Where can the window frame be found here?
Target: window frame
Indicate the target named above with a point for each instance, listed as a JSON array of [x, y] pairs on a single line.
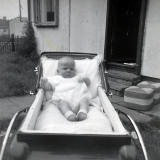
[[40, 9]]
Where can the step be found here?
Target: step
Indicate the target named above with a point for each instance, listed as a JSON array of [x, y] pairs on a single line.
[[122, 81], [123, 75], [129, 67], [117, 88], [125, 82]]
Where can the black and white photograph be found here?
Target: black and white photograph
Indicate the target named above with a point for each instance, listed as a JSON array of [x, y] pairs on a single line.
[[79, 79]]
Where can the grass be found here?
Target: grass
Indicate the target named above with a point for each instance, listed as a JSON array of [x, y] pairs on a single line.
[[151, 133], [17, 75]]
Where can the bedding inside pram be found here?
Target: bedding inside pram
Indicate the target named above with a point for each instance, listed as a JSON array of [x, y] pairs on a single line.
[[102, 118]]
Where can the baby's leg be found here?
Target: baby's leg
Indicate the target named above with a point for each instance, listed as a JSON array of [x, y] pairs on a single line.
[[66, 110], [83, 109]]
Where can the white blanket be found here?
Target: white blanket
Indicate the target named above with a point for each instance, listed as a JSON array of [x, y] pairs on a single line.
[[51, 120]]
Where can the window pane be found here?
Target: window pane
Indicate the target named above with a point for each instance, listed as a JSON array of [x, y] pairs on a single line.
[[37, 10], [50, 10], [50, 16]]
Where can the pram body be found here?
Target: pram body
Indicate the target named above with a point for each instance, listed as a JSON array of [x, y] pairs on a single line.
[[26, 142]]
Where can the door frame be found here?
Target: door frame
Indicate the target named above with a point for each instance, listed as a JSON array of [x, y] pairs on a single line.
[[142, 20]]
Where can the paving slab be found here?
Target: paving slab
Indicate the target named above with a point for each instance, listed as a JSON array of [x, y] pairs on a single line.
[[138, 116]]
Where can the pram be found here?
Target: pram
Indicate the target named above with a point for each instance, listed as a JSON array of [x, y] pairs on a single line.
[[40, 135]]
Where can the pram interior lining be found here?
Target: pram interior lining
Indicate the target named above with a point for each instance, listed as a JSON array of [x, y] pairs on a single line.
[[97, 122]]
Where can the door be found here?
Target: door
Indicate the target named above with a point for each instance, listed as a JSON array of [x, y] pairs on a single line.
[[123, 31]]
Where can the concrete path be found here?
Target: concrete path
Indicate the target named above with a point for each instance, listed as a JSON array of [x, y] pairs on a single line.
[[10, 105]]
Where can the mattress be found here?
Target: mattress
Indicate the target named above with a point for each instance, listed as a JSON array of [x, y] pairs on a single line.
[[51, 119]]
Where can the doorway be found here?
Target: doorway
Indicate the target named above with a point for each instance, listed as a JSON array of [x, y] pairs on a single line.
[[124, 32]]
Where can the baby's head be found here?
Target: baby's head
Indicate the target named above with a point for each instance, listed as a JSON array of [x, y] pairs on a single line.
[[66, 67]]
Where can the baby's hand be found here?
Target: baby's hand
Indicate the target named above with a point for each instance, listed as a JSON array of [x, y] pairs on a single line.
[[43, 82], [80, 79], [87, 81]]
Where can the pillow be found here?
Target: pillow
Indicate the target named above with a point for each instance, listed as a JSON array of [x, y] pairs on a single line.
[[49, 66], [88, 67]]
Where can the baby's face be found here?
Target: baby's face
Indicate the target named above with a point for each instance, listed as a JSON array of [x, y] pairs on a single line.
[[66, 68]]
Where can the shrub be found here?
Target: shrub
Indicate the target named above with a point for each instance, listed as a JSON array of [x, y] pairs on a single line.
[[17, 75], [28, 48], [17, 69]]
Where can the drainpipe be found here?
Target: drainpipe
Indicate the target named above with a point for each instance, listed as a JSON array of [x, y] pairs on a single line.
[[69, 24]]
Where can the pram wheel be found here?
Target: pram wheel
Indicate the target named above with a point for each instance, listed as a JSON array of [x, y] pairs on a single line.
[[127, 152]]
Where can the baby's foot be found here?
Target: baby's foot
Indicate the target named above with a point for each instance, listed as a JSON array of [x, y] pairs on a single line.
[[71, 116], [82, 115]]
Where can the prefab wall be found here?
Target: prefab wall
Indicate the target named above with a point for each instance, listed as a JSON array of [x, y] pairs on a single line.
[[81, 27], [151, 48]]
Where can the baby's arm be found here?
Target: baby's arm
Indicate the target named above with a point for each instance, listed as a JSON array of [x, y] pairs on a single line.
[[48, 89], [85, 79], [45, 84]]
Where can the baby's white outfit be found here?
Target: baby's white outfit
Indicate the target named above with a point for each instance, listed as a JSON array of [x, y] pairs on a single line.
[[69, 89]]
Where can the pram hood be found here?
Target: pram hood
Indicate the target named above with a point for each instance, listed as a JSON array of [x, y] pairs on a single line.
[[87, 67]]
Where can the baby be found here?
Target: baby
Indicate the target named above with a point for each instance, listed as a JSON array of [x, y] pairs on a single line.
[[68, 91]]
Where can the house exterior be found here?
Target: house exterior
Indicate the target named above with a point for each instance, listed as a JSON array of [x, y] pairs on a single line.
[[17, 26], [4, 26], [125, 32]]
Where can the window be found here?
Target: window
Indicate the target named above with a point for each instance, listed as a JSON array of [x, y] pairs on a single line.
[[46, 12]]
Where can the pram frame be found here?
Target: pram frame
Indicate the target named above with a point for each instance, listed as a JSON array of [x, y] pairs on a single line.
[[15, 116], [125, 139], [23, 134]]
